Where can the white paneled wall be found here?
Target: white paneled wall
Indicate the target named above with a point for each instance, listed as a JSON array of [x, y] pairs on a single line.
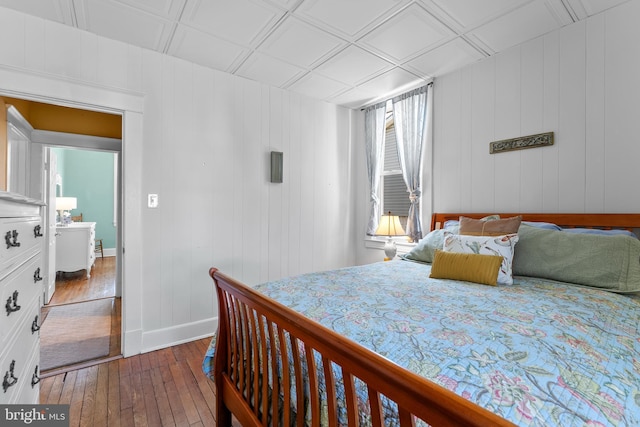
[[203, 147], [579, 82]]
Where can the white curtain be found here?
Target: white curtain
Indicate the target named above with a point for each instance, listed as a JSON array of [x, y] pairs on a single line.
[[374, 131], [410, 121]]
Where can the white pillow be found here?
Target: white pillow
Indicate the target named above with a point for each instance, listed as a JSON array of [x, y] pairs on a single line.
[[487, 245]]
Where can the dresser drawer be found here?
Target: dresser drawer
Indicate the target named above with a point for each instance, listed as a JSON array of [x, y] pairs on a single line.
[[18, 362], [19, 289], [20, 238]]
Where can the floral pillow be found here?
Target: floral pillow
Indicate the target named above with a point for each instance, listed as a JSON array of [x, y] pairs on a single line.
[[487, 245]]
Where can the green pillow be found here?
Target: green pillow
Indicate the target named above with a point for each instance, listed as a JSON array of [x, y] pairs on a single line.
[[606, 262], [423, 251]]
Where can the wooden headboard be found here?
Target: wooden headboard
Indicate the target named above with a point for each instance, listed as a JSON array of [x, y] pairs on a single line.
[[627, 221]]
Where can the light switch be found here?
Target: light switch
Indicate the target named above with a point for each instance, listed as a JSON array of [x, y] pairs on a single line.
[[152, 200]]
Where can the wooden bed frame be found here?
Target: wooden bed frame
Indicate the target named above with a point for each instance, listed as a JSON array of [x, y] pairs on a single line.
[[595, 220], [244, 361]]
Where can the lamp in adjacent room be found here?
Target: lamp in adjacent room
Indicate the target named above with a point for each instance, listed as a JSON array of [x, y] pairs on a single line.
[[64, 204], [390, 226]]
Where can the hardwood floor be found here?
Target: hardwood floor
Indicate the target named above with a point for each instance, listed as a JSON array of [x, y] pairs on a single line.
[[75, 288], [162, 388]]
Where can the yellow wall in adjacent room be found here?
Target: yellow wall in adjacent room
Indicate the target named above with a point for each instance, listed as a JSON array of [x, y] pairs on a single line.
[[65, 119]]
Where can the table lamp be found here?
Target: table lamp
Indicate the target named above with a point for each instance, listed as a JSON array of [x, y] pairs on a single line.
[[390, 226], [64, 204]]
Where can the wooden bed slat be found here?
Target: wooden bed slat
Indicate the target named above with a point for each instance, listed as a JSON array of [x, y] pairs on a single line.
[[414, 396], [298, 379], [286, 379], [275, 385], [314, 387], [253, 358], [264, 374], [330, 384], [376, 408], [351, 397]]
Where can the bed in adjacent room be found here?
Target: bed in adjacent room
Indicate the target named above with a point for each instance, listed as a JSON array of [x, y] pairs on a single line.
[[553, 338]]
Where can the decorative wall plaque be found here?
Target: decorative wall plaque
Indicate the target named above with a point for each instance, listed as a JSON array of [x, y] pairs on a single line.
[[531, 141]]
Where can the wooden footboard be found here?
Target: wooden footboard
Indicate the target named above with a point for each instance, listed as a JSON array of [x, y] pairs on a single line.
[[271, 363]]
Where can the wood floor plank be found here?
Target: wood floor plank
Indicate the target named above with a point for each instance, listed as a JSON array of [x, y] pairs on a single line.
[[46, 384], [55, 392], [75, 411], [125, 366], [151, 405], [134, 364], [153, 359], [139, 409], [102, 396], [69, 381], [177, 409], [113, 396], [126, 418], [89, 397], [196, 394], [144, 362], [205, 390], [183, 391], [126, 394], [162, 399]]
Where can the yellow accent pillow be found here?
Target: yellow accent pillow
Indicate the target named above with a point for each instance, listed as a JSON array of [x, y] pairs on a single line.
[[475, 268]]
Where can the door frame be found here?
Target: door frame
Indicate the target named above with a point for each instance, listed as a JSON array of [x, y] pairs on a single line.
[[34, 86], [49, 219]]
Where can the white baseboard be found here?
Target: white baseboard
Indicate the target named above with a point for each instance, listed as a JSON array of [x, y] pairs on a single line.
[[107, 252], [132, 343], [163, 338]]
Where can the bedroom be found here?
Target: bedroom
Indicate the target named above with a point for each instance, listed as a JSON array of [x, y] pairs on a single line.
[[256, 231]]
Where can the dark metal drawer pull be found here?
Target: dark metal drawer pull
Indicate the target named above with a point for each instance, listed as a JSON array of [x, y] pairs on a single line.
[[11, 238], [35, 379], [36, 276], [37, 231], [9, 378], [12, 303], [34, 325]]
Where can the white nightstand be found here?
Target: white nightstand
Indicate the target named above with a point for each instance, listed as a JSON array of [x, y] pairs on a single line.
[[75, 247]]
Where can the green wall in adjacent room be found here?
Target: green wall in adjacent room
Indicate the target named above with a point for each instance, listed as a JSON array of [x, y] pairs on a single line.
[[89, 176]]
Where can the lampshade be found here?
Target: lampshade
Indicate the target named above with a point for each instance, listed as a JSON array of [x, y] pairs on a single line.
[[390, 226], [66, 203]]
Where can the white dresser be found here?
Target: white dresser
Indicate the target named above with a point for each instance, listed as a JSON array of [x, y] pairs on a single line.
[[75, 245], [21, 292]]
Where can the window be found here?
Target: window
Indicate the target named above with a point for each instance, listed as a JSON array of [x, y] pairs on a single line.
[[394, 197]]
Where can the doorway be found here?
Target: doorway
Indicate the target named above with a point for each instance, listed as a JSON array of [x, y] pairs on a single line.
[[129, 106], [50, 127], [81, 295]]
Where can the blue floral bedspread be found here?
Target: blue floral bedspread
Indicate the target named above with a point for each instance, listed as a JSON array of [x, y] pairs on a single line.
[[537, 353]]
